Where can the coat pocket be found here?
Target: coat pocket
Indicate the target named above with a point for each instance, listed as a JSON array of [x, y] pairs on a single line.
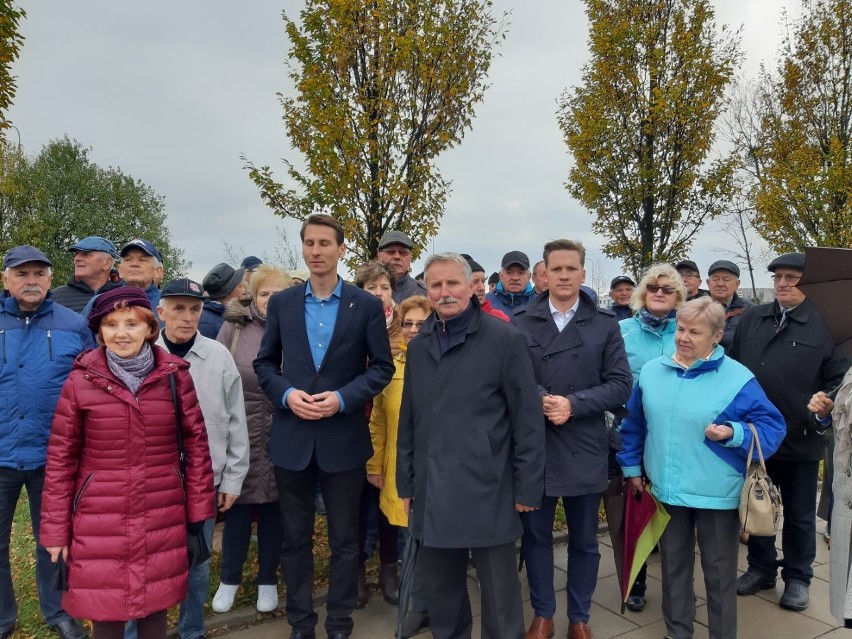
[[76, 503]]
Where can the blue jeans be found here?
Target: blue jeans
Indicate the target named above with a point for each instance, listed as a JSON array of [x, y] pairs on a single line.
[[191, 618], [50, 599]]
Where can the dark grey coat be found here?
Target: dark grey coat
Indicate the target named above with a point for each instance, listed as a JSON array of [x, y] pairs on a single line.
[[470, 441], [586, 363]]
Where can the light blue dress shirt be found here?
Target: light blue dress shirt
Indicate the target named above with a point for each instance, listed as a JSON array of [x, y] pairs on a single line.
[[320, 318]]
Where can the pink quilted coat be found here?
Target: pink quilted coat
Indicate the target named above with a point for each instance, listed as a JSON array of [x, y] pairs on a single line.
[[113, 493]]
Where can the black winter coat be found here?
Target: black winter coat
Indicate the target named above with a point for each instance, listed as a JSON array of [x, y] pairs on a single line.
[[470, 443], [586, 363], [791, 363]]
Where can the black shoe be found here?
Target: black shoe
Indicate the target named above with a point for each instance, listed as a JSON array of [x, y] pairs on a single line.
[[416, 621], [298, 634], [751, 583], [795, 596], [363, 593], [339, 635], [636, 603], [389, 583], [70, 629]]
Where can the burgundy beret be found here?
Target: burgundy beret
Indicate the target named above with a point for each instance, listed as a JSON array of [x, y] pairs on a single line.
[[105, 303]]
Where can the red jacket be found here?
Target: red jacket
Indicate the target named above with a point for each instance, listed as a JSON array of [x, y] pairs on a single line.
[[113, 492]]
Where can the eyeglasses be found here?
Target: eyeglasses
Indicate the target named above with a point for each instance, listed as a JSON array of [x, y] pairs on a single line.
[[668, 290], [787, 277], [690, 275], [402, 252], [412, 324]]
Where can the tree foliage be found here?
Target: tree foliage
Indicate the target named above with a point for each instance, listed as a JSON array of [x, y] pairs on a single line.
[[60, 196], [641, 125], [11, 42], [794, 135], [383, 87]]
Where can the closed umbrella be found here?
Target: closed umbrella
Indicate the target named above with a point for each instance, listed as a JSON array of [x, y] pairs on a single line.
[[406, 581], [645, 519]]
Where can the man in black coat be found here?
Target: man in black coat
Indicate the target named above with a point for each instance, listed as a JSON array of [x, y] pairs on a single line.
[[325, 353], [581, 367], [470, 454], [788, 347]]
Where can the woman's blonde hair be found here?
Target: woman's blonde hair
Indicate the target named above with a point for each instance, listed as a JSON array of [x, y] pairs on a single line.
[[704, 309], [409, 303], [265, 272], [655, 272]]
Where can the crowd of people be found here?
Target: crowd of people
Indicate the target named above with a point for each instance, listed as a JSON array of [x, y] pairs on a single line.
[[451, 410]]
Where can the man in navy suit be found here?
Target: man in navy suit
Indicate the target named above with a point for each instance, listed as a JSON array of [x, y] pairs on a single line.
[[325, 353]]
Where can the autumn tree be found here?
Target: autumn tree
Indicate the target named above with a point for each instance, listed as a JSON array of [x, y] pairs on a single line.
[[60, 196], [795, 140], [641, 125], [382, 88], [11, 42]]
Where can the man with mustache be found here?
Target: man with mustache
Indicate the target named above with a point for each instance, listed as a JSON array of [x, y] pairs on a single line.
[[470, 454], [39, 340]]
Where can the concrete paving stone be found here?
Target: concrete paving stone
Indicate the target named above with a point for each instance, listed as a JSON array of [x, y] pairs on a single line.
[[658, 630], [608, 596], [758, 618]]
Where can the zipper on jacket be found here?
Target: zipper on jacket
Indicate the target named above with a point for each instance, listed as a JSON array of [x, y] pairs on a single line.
[[49, 346], [180, 481], [80, 492], [3, 339]]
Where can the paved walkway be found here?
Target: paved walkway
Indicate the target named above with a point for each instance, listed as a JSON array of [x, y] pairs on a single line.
[[759, 616]]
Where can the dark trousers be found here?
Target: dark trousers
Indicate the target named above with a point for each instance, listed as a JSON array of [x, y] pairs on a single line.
[[342, 495], [50, 599], [154, 626], [581, 514], [444, 574], [798, 484], [388, 533], [236, 536], [718, 536]]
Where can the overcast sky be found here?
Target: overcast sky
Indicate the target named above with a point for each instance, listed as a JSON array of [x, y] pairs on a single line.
[[174, 92]]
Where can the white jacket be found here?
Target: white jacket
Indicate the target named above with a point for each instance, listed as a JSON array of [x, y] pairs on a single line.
[[220, 393]]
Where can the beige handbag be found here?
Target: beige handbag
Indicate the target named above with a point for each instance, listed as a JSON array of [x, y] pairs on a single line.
[[760, 500]]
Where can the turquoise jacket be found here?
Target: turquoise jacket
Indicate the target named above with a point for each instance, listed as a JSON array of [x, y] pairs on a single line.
[[644, 343], [667, 414]]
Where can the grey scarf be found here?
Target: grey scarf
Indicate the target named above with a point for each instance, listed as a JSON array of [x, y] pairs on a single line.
[[132, 370]]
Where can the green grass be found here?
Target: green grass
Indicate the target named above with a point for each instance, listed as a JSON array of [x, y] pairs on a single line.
[[22, 557]]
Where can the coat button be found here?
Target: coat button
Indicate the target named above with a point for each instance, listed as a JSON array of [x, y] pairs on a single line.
[[574, 356], [546, 357], [109, 388]]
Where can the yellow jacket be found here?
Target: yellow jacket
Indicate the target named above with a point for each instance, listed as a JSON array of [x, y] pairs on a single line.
[[384, 422]]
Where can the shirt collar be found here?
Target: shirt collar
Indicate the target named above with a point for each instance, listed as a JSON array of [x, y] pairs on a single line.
[[335, 293], [571, 311]]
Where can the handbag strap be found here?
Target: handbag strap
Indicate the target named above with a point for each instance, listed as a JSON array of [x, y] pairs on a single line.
[[181, 449], [755, 441]]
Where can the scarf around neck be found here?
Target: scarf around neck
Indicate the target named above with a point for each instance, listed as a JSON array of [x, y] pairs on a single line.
[[132, 370], [647, 317]]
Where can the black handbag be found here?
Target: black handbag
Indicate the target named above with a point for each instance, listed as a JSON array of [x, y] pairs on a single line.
[[196, 544]]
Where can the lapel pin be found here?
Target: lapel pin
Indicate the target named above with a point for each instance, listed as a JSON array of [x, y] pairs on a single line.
[[351, 304]]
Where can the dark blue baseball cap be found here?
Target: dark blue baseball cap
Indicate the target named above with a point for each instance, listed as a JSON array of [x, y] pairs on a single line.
[[22, 254], [144, 245], [95, 243]]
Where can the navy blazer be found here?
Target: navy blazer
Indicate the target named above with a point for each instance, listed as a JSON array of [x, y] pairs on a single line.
[[585, 362], [358, 364]]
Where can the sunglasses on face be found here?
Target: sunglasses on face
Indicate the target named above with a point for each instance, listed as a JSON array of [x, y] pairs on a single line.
[[654, 288], [411, 324]]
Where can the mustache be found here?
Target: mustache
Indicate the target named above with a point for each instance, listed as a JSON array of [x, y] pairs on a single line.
[[32, 289], [448, 299]]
